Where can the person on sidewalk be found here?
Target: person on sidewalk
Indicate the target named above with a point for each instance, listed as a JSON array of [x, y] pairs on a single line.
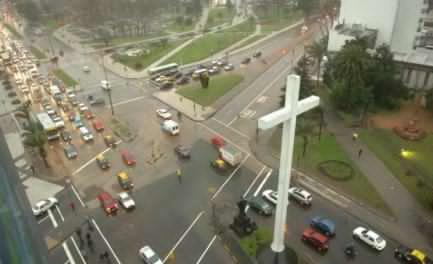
[[179, 175], [359, 153]]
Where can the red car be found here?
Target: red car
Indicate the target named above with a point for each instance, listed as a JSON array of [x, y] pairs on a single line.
[[127, 157], [98, 125], [71, 116], [108, 203], [315, 239], [89, 115]]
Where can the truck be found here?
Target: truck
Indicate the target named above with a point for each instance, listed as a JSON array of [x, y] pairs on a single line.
[[230, 155], [170, 127]]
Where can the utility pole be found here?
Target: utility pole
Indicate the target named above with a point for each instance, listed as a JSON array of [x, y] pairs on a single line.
[[108, 84]]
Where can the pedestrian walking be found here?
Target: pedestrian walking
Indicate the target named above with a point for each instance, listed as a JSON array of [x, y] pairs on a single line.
[[106, 255], [101, 257], [359, 153], [179, 175], [88, 236], [72, 205]]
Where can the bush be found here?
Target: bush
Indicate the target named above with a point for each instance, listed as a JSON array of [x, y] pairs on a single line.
[[255, 242], [138, 66], [12, 94]]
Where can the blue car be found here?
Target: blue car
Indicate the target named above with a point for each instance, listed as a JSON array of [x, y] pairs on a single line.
[[323, 225]]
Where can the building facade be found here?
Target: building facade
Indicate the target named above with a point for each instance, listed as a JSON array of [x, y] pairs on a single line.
[[405, 25], [20, 241]]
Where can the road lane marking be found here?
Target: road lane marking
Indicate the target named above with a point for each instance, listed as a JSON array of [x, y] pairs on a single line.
[[72, 238], [93, 159], [261, 93], [263, 182], [231, 128], [106, 242], [253, 182], [182, 237], [206, 250], [128, 101], [78, 195], [230, 177], [64, 245]]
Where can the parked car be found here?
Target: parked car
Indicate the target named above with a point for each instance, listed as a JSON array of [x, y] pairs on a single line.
[[58, 121], [89, 115], [127, 157], [370, 238], [163, 113], [183, 151], [103, 162], [66, 136], [214, 70], [86, 135], [301, 196], [316, 240], [108, 203], [126, 201], [411, 256], [43, 206], [149, 256], [323, 225], [259, 205], [95, 101], [270, 196], [70, 151], [246, 61]]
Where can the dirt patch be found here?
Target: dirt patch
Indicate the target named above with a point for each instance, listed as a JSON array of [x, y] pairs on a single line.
[[408, 111]]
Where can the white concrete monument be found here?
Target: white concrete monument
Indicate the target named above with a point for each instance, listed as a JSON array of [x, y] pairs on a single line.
[[286, 116]]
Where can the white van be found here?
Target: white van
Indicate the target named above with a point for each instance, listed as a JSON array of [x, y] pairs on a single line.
[[170, 127], [86, 135], [105, 85]]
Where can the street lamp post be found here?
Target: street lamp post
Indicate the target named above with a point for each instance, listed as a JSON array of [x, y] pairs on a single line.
[[108, 85]]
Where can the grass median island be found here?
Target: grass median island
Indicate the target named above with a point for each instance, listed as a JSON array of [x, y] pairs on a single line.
[[218, 86], [327, 149], [219, 15], [140, 62], [414, 171], [65, 78], [212, 43], [38, 53]]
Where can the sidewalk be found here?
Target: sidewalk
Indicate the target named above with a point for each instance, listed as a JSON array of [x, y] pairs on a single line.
[[187, 107]]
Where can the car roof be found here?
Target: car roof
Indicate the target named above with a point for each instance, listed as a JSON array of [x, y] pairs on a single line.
[[372, 234], [310, 232], [123, 175], [105, 196], [123, 195], [328, 222]]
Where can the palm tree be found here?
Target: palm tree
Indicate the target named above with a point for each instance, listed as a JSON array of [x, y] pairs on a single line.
[[35, 137], [318, 50]]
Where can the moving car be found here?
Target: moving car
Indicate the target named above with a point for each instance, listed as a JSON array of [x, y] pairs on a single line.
[[126, 201], [66, 136], [259, 205], [110, 140], [257, 54], [246, 61], [323, 225], [103, 162], [98, 125], [89, 115], [95, 101], [170, 127], [163, 113], [411, 256], [86, 69], [300, 195], [124, 181], [149, 256], [108, 203], [370, 238], [229, 67], [183, 151], [86, 135], [270, 196], [127, 157], [214, 70], [315, 239], [105, 85], [42, 206], [70, 151]]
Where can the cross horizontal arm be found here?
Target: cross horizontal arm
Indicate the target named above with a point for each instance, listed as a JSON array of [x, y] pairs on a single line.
[[275, 118]]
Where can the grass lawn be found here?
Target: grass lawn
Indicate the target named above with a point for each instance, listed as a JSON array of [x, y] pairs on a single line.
[[218, 86], [274, 20], [65, 78], [387, 146], [176, 27], [121, 40], [249, 41], [140, 62], [328, 149], [219, 15], [38, 53], [13, 31], [212, 43]]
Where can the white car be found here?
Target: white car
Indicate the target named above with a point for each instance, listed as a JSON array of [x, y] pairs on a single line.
[[105, 85], [126, 201], [370, 238], [82, 107], [86, 135], [42, 206], [163, 113], [86, 69], [271, 196], [149, 256], [300, 195], [229, 67], [58, 121], [50, 111]]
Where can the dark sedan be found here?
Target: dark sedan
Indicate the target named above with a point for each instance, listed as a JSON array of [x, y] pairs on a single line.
[[183, 151]]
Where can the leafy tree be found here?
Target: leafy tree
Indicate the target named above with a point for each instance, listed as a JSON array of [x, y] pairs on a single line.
[[29, 10], [35, 137], [304, 128], [318, 50], [229, 4], [429, 100], [306, 88]]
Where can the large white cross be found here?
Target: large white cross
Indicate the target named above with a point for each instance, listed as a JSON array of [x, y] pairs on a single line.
[[287, 116]]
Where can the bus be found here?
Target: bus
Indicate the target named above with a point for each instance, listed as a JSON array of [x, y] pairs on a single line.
[[49, 126], [163, 68]]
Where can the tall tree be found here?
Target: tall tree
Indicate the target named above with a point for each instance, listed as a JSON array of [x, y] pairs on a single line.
[[306, 88], [307, 6], [318, 50], [35, 137], [28, 9]]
